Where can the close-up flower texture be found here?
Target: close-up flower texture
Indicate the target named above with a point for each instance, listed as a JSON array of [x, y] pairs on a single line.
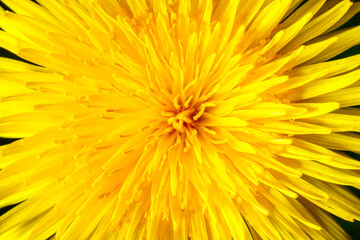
[[179, 119]]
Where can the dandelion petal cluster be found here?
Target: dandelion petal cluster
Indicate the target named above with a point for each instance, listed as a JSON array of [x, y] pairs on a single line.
[[178, 119]]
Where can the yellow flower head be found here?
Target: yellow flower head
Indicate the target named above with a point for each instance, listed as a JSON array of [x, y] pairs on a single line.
[[178, 119]]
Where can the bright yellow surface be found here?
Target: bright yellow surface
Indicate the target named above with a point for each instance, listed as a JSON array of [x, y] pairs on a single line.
[[165, 119]]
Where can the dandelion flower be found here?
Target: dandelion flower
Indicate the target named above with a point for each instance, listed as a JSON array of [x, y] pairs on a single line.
[[164, 119]]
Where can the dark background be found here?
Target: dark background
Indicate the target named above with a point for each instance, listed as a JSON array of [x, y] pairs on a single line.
[[352, 228]]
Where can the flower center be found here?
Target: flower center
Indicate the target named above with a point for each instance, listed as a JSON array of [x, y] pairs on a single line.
[[186, 116], [182, 120]]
